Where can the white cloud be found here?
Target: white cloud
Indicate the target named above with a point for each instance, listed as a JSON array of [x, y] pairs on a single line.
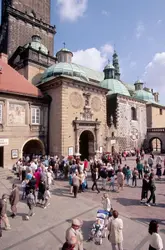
[[71, 10], [105, 13], [159, 21], [139, 30], [155, 73], [93, 58]]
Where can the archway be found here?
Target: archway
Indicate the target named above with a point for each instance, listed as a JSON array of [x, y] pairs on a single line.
[[86, 144], [33, 146], [156, 145]]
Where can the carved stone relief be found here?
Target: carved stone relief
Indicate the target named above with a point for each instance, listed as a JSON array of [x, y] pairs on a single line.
[[16, 114], [76, 100], [96, 104]]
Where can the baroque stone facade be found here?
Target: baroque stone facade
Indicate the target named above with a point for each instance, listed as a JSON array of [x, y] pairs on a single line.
[[131, 131]]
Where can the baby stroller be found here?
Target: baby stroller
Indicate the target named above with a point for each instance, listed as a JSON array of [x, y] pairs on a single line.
[[99, 228]]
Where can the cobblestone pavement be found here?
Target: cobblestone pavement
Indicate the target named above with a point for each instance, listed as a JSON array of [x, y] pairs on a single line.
[[46, 230]]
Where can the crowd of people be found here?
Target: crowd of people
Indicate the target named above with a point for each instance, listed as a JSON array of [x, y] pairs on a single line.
[[37, 175]]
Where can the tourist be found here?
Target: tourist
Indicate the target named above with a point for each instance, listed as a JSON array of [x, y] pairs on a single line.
[[155, 240], [41, 192], [120, 180], [49, 177], [159, 170], [103, 175], [150, 161], [74, 236], [47, 197], [152, 189], [71, 182], [140, 169], [31, 203], [3, 212], [158, 159], [14, 199], [82, 180], [144, 193], [76, 184], [128, 175], [23, 185], [115, 228], [124, 170], [112, 181], [106, 203], [134, 177], [146, 168], [95, 178]]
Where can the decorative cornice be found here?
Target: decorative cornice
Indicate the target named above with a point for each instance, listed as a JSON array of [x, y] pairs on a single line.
[[33, 21], [85, 86]]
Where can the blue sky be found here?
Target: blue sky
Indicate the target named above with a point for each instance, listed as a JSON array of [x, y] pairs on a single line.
[[91, 28]]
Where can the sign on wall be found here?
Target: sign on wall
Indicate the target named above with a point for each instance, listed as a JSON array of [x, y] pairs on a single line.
[[14, 153], [4, 142], [70, 151]]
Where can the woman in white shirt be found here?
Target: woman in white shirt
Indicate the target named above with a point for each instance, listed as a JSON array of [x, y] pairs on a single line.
[[106, 203], [155, 240]]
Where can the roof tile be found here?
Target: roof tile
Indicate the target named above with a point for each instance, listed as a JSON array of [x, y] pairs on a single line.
[[13, 82]]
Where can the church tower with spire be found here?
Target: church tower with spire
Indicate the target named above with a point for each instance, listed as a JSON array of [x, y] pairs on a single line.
[[116, 65]]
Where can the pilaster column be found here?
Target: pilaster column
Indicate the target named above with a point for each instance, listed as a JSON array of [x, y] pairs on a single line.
[[97, 135], [76, 138]]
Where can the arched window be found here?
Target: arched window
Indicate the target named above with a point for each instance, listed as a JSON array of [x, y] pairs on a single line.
[[133, 114]]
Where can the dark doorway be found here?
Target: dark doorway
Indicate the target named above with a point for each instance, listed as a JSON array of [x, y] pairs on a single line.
[[1, 157], [86, 145], [33, 147], [156, 145]]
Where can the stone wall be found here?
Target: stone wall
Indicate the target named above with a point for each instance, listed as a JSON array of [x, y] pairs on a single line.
[[20, 33], [156, 116], [55, 120], [16, 125], [67, 105], [73, 102], [130, 133], [41, 8]]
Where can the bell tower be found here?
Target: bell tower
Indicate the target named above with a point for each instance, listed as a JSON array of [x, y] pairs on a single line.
[[21, 19]]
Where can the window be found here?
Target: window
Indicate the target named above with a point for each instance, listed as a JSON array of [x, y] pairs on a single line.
[[35, 116], [1, 118], [113, 134], [133, 114], [161, 111]]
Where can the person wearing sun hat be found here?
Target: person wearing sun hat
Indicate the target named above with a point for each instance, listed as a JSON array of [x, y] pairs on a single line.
[[74, 237]]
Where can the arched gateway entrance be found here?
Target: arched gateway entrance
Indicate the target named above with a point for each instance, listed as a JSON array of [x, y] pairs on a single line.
[[86, 144], [156, 145], [33, 146]]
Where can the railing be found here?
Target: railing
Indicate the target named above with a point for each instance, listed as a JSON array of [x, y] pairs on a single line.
[[156, 130]]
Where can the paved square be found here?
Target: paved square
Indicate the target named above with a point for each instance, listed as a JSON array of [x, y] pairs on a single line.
[[46, 230]]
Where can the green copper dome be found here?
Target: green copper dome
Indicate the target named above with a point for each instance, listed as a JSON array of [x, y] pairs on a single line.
[[115, 87], [37, 45], [144, 95], [65, 69], [64, 50], [109, 66]]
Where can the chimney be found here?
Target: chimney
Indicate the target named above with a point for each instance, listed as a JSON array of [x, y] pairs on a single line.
[[4, 57], [156, 96]]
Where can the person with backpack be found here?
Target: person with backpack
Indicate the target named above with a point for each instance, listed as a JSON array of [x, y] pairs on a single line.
[[31, 203]]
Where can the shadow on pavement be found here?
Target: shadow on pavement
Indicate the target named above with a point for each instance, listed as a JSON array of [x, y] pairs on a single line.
[[127, 202]]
